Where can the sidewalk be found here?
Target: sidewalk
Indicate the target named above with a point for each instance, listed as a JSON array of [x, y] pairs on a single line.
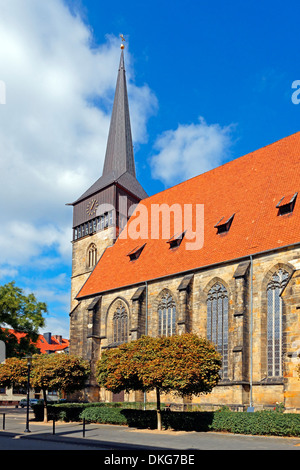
[[96, 435], [122, 438]]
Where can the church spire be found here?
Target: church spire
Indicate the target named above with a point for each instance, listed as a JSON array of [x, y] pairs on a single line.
[[119, 157], [119, 166]]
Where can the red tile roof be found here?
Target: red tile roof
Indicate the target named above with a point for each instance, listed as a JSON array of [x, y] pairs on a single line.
[[55, 345], [249, 187], [57, 342]]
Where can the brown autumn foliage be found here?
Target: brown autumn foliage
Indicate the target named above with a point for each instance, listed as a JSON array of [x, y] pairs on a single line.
[[183, 364], [60, 372]]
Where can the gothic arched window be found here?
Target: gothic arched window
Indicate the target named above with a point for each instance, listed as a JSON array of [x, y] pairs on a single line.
[[92, 255], [120, 325], [166, 316], [274, 323], [217, 322]]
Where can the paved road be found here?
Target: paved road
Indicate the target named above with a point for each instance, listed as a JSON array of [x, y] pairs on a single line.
[[69, 436]]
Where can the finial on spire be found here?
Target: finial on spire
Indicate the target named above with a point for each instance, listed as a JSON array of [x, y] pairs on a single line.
[[123, 40]]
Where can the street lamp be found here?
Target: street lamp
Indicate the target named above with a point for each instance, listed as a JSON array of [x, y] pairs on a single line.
[[28, 389]]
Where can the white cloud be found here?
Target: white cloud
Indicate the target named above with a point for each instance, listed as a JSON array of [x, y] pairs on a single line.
[[55, 291], [57, 326], [189, 151], [20, 241], [8, 272], [52, 136]]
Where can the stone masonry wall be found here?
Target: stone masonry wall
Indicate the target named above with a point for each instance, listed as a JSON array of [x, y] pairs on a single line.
[[92, 330], [80, 268]]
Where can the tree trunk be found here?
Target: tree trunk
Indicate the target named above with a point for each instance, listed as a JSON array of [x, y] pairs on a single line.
[[158, 411], [45, 406]]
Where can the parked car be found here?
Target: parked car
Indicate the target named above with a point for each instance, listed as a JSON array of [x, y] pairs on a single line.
[[32, 401]]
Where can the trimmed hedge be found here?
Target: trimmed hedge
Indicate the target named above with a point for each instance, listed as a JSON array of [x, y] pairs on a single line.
[[104, 415], [72, 411], [258, 423], [64, 412]]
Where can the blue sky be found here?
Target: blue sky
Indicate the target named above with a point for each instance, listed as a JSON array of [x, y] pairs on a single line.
[[207, 82]]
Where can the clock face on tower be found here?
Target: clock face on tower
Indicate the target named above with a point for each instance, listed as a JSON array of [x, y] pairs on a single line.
[[91, 207]]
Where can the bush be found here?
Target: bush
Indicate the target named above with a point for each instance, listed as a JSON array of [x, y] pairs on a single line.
[[142, 419], [200, 421], [71, 411], [64, 411], [103, 415], [259, 423]]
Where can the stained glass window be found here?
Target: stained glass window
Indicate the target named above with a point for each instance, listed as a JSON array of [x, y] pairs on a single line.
[[167, 316], [274, 323], [217, 322]]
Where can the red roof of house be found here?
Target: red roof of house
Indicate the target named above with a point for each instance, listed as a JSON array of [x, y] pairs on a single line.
[[57, 342], [249, 188]]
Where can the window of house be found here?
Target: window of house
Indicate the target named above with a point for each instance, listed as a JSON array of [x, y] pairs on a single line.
[[18, 390], [167, 316], [120, 325], [274, 323], [217, 322]]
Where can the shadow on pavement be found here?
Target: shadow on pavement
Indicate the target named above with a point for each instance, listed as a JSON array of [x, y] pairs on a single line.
[[79, 441]]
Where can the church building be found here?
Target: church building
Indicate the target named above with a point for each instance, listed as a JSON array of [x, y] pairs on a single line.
[[217, 255]]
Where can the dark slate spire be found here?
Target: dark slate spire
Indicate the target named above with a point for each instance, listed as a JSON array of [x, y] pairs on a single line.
[[119, 166], [119, 151]]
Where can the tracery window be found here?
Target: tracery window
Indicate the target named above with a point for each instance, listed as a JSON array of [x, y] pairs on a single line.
[[217, 322], [274, 323], [92, 255], [166, 316], [120, 325]]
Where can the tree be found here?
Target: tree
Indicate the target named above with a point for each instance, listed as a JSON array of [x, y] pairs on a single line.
[[60, 372], [22, 313], [13, 372], [183, 364]]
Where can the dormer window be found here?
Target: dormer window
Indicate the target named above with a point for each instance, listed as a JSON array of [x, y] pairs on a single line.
[[175, 241], [286, 204], [224, 224], [136, 252]]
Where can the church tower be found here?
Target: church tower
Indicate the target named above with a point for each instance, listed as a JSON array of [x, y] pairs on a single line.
[[101, 212]]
